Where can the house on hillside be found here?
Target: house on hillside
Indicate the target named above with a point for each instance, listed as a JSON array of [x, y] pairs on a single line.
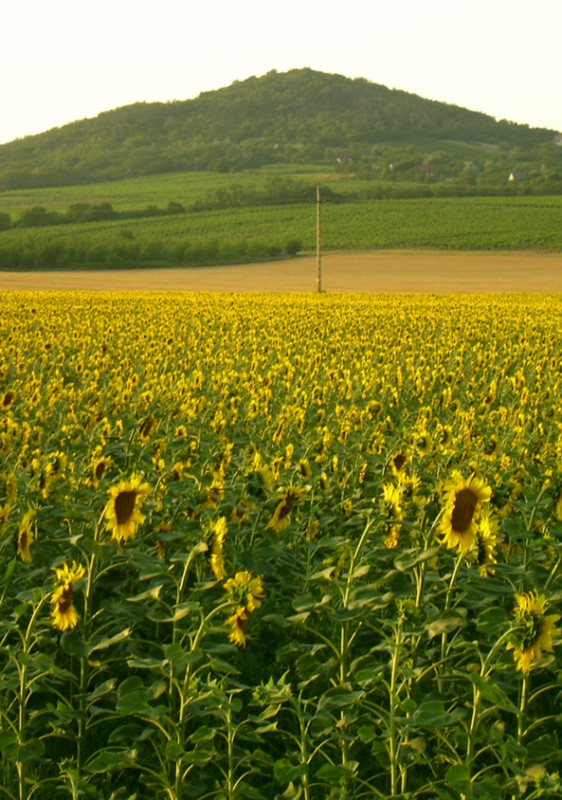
[[426, 169], [558, 140], [518, 176], [344, 157]]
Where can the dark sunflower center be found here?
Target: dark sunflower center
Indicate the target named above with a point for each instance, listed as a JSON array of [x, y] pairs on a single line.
[[288, 505], [399, 461], [23, 540], [65, 600], [100, 469], [124, 506], [8, 398], [533, 625], [483, 554], [463, 511], [147, 427]]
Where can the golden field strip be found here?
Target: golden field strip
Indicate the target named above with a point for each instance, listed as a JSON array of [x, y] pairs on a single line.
[[374, 271]]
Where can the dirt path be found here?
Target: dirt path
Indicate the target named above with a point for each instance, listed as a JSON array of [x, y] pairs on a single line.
[[376, 271]]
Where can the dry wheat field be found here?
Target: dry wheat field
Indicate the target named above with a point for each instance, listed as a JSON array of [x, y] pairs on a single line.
[[377, 271]]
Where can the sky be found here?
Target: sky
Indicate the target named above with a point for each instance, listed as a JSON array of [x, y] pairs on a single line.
[[63, 60]]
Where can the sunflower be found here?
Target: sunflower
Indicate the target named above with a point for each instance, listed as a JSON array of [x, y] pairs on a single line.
[[463, 501], [4, 514], [240, 511], [45, 480], [7, 399], [266, 477], [147, 428], [392, 510], [536, 630], [122, 510], [486, 544], [280, 518], [24, 537], [98, 467], [246, 593], [66, 574], [398, 462], [220, 529], [63, 613], [10, 487], [237, 622]]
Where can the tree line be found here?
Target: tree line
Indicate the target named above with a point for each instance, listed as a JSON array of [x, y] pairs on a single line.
[[38, 216]]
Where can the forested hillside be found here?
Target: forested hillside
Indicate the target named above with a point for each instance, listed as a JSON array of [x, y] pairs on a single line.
[[298, 117]]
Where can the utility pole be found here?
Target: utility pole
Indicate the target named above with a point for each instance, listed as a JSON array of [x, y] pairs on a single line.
[[318, 254]]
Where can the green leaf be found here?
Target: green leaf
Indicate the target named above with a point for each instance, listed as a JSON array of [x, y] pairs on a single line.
[[369, 672], [286, 772], [339, 699], [309, 603], [133, 697], [458, 775], [108, 760], [334, 772], [322, 574], [301, 617], [367, 733], [130, 732], [173, 750], [9, 745], [360, 572], [223, 667], [198, 756], [432, 714], [272, 727], [408, 706], [446, 622], [182, 610], [368, 596], [413, 557], [203, 734], [176, 655], [33, 749], [107, 641], [543, 749], [72, 642], [492, 620], [493, 694], [153, 592], [8, 571]]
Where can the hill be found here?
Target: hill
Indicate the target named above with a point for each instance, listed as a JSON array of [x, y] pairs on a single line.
[[298, 117]]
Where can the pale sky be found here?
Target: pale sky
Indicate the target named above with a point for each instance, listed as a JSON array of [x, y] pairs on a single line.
[[63, 60]]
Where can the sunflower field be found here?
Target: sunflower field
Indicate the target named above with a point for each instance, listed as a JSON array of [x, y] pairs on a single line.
[[280, 546]]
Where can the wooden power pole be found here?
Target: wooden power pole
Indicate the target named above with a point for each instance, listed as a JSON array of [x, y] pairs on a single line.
[[318, 253]]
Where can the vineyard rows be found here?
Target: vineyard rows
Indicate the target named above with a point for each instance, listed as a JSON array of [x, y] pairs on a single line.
[[251, 233]]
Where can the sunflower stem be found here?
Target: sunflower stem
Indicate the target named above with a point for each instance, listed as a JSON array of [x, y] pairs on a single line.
[[22, 695], [230, 733], [553, 573], [392, 743], [522, 716], [448, 597], [522, 709], [84, 669]]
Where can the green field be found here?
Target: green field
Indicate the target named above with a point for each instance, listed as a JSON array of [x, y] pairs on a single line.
[[256, 215]]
